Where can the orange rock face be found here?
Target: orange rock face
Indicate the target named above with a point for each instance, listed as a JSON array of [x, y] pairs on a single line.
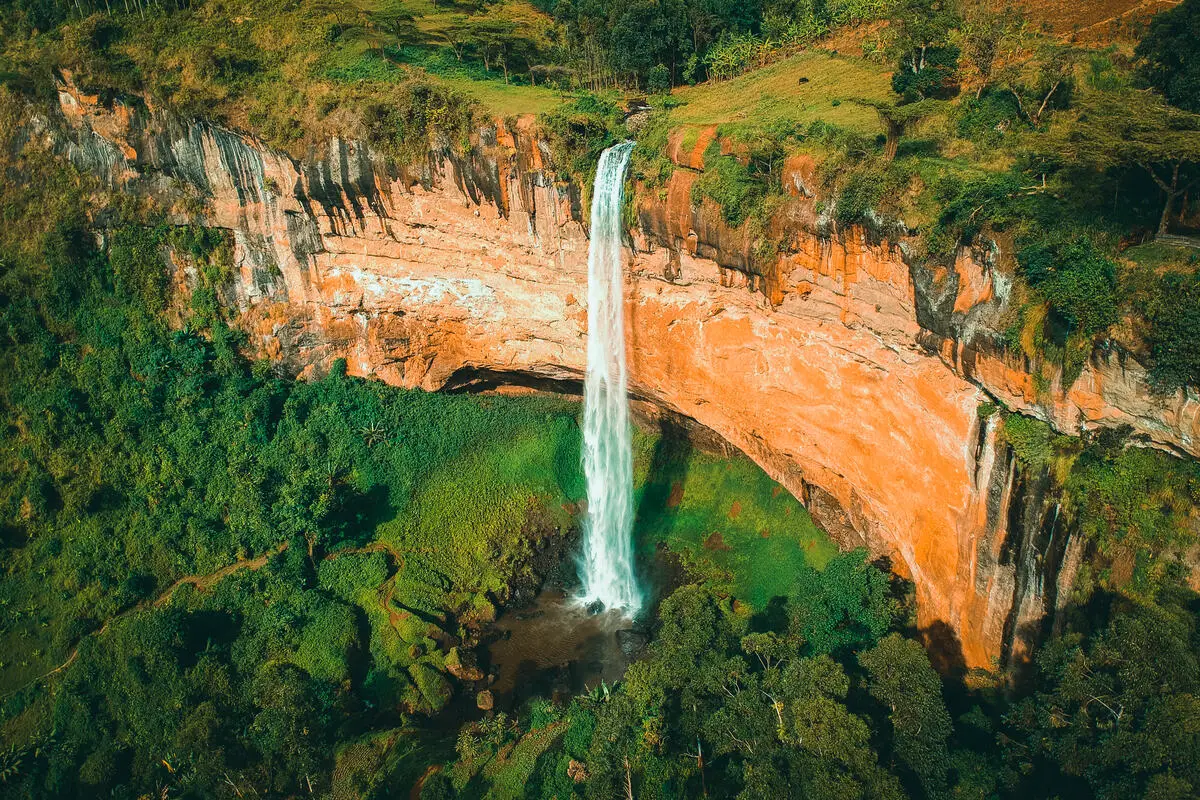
[[817, 368]]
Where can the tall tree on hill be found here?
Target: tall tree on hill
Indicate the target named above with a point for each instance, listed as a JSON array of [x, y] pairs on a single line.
[[984, 36], [1132, 129], [508, 35], [922, 44], [900, 119], [1170, 54]]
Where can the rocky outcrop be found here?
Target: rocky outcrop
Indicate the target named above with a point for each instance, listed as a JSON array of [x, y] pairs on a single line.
[[850, 376]]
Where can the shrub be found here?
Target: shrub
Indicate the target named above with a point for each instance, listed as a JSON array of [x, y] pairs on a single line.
[[1030, 439], [728, 183], [1174, 332], [968, 204], [1076, 279], [578, 132], [1135, 501], [934, 76], [986, 119], [659, 80]]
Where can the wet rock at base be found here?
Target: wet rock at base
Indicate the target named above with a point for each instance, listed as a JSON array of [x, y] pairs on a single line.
[[632, 642], [485, 701]]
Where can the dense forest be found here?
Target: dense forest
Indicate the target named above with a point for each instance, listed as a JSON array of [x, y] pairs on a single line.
[[223, 581]]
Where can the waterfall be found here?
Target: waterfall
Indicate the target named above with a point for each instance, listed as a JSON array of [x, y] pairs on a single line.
[[606, 565]]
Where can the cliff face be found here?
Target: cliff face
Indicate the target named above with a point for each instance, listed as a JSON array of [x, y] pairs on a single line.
[[850, 377]]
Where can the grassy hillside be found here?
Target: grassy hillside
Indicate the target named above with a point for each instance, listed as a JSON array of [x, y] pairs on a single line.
[[798, 90]]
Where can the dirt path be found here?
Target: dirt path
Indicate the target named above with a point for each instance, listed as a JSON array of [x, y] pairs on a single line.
[[199, 581], [204, 582], [430, 771]]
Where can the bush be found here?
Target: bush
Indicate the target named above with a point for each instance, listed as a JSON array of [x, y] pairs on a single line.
[[1174, 332], [968, 204], [1077, 280], [1031, 440], [578, 132], [659, 80], [728, 183], [934, 76], [985, 120]]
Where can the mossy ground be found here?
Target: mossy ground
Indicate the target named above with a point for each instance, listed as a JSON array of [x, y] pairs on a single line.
[[725, 518]]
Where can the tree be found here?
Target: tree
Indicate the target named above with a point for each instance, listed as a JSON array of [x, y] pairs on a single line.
[[1133, 129], [900, 118], [1043, 82], [984, 35], [1119, 709], [659, 80], [921, 43], [512, 32], [456, 34], [843, 608], [902, 678], [1170, 55], [396, 20]]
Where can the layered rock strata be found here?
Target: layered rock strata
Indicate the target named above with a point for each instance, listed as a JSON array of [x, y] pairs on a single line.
[[852, 377]]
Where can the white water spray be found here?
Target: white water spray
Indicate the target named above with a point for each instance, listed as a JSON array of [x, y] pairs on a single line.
[[606, 565]]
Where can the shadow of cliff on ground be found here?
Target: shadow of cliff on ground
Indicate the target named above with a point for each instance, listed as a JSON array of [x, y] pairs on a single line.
[[666, 481]]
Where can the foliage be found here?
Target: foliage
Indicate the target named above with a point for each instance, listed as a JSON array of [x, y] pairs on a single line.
[[729, 184], [578, 132], [1173, 334], [1138, 504], [901, 677], [752, 702], [985, 36], [1031, 440], [921, 42], [1114, 713], [140, 461], [1076, 279], [1125, 130], [1170, 55], [932, 75], [659, 80], [969, 204], [900, 118]]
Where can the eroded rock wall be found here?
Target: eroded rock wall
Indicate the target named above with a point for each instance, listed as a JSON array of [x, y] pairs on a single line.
[[851, 377]]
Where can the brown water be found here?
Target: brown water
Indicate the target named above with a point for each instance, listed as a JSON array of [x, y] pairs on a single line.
[[555, 648]]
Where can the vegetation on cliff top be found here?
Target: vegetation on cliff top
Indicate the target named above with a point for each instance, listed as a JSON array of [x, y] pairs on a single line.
[[221, 582]]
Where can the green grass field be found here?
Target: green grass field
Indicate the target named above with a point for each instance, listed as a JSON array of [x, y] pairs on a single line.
[[505, 100], [776, 93], [727, 520]]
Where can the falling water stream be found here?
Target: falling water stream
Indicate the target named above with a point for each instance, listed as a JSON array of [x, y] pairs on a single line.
[[606, 563]]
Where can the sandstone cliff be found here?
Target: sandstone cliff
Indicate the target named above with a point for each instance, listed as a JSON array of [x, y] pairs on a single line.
[[849, 375]]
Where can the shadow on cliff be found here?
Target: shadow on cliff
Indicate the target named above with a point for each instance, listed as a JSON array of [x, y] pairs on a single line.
[[941, 642], [467, 380]]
